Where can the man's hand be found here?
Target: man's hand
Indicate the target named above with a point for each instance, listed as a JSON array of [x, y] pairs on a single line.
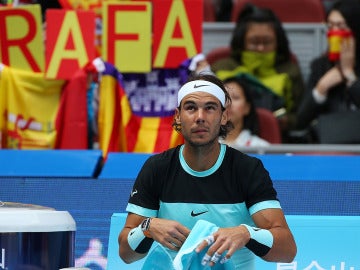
[[169, 233], [225, 239]]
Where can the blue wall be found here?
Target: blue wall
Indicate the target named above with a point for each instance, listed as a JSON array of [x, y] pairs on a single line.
[[77, 182]]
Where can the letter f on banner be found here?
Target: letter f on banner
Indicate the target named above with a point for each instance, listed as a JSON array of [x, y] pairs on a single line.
[[127, 35]]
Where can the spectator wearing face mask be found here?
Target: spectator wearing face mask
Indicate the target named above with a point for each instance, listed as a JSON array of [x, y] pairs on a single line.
[[260, 49], [330, 107]]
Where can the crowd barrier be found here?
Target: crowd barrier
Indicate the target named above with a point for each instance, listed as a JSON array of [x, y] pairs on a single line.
[[319, 244], [50, 163], [324, 188]]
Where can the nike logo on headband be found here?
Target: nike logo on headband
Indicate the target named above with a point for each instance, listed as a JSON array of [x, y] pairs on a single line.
[[200, 85]]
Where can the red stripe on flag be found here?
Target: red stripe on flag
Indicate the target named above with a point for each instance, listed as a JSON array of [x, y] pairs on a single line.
[[132, 132], [114, 143], [164, 134]]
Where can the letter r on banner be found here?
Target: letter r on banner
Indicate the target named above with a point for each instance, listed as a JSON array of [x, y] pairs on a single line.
[[21, 42]]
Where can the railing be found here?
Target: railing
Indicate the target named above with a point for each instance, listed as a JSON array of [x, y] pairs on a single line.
[[309, 149]]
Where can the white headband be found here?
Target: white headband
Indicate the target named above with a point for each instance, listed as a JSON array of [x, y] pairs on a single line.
[[201, 86]]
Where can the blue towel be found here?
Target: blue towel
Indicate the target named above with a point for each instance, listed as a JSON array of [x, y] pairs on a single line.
[[159, 258]]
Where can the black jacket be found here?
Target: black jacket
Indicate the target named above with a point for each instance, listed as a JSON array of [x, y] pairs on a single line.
[[340, 98]]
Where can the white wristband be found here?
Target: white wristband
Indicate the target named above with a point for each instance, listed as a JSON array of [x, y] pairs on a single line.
[[350, 79], [138, 241], [319, 98], [261, 240]]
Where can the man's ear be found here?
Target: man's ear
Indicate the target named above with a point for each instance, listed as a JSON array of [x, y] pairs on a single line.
[[225, 117], [177, 116]]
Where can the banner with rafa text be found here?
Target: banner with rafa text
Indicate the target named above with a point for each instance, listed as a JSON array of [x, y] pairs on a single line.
[[136, 36]]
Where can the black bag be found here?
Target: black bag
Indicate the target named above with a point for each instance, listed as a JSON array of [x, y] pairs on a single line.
[[339, 128]]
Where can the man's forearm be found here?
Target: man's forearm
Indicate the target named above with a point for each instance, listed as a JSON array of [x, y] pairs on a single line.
[[126, 253], [284, 247]]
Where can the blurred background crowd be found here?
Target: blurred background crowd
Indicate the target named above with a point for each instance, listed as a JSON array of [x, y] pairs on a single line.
[[273, 102]]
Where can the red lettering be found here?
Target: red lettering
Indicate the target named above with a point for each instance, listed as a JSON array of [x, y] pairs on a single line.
[[6, 43]]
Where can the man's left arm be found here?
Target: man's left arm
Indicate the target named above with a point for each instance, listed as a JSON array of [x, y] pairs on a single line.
[[283, 247], [271, 239]]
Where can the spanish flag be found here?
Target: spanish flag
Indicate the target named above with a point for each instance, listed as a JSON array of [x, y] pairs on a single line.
[[139, 134], [119, 129], [28, 108]]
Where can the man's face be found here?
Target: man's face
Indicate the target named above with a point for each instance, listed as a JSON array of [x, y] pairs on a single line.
[[200, 117]]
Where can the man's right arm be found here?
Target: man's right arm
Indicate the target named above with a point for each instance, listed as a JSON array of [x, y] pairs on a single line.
[[126, 252], [134, 245]]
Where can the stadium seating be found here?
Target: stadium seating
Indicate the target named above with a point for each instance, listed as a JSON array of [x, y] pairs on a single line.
[[269, 126], [295, 11], [217, 54], [209, 11]]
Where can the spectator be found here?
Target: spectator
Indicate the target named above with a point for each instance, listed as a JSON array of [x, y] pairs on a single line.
[[330, 108], [260, 47], [242, 114]]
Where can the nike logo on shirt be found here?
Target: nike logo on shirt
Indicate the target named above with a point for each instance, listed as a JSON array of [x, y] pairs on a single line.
[[197, 214]]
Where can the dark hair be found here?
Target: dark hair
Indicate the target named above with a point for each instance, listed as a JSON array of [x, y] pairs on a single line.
[[224, 129], [350, 10], [253, 14], [251, 121]]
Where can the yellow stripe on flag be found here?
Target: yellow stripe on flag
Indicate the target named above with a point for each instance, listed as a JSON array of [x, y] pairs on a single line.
[[176, 139], [147, 135]]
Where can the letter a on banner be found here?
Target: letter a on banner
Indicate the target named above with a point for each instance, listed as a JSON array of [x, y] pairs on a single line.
[[70, 41], [177, 27], [21, 40], [127, 35]]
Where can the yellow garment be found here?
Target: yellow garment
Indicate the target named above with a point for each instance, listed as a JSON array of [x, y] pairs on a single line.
[[108, 117], [262, 66], [28, 107]]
